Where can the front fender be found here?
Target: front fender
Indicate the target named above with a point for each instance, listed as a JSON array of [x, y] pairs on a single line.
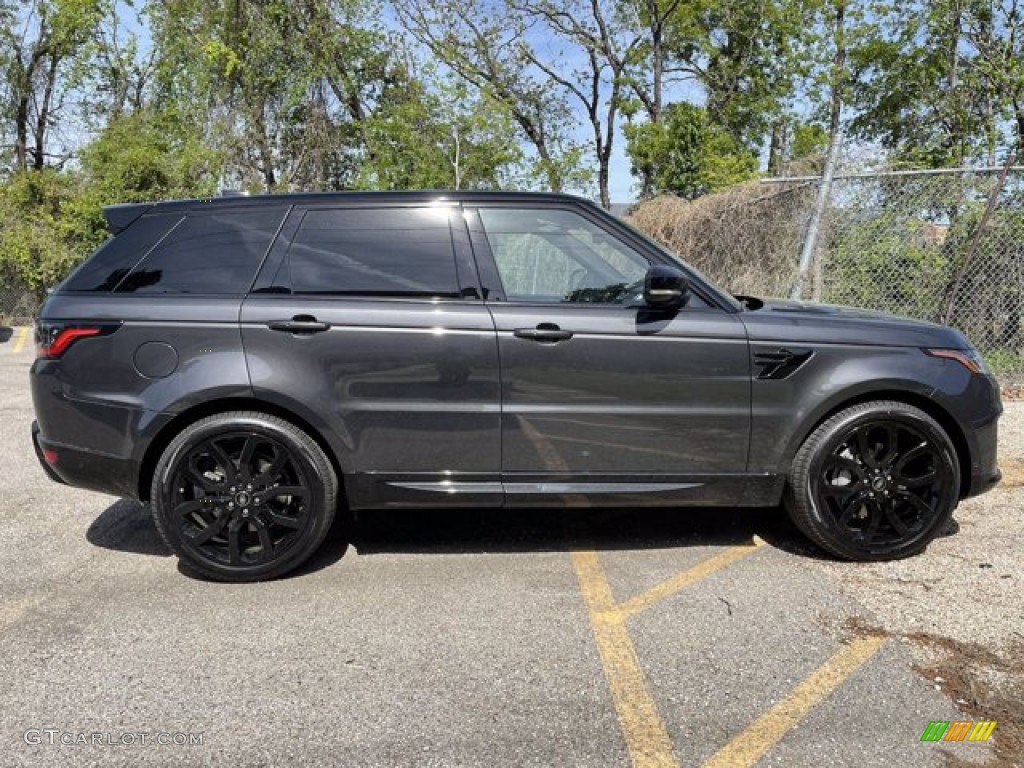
[[785, 412]]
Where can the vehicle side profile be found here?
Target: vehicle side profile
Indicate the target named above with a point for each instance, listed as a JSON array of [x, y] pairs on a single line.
[[251, 365]]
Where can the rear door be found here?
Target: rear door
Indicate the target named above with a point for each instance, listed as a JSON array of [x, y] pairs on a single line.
[[367, 319], [601, 395]]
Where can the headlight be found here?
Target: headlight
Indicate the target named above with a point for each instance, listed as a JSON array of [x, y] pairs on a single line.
[[968, 358]]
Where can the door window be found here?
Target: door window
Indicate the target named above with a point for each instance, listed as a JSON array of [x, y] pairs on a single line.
[[375, 252], [558, 256]]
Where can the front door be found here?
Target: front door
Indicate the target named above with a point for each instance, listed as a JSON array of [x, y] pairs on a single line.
[[603, 397]]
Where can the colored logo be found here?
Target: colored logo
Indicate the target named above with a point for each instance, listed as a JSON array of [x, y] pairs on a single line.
[[958, 730]]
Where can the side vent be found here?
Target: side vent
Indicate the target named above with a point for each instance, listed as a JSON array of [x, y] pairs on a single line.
[[782, 363]]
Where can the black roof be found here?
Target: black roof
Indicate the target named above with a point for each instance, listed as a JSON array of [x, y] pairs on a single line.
[[120, 217]]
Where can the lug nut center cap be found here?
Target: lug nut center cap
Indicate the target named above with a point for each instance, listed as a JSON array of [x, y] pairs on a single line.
[[878, 483], [242, 498]]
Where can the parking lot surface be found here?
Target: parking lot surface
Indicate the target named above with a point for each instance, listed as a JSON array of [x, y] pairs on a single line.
[[460, 638]]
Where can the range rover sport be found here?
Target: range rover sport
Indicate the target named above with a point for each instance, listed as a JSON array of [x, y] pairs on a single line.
[[249, 366]]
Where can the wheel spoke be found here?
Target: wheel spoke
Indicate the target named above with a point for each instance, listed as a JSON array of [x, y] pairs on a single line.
[[234, 550], [919, 482], [911, 455], [831, 490], [895, 520], [891, 445], [196, 477], [285, 490], [853, 504], [874, 521], [841, 462], [273, 472], [284, 520], [212, 529], [917, 502], [245, 458], [865, 449], [188, 507], [266, 543]]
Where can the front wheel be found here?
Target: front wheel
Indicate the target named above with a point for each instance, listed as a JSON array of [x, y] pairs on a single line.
[[243, 496], [876, 481]]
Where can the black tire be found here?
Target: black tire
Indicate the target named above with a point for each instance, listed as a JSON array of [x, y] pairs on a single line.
[[216, 502], [876, 481]]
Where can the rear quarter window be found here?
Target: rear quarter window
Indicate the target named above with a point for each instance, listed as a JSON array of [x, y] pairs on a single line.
[[209, 252], [113, 260]]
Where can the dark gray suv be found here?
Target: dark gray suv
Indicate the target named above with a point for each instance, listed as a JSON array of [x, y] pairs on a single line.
[[249, 366]]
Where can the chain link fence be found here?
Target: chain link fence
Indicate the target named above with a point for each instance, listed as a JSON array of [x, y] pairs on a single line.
[[17, 303], [943, 246]]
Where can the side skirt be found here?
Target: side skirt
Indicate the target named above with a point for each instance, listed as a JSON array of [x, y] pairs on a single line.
[[382, 490]]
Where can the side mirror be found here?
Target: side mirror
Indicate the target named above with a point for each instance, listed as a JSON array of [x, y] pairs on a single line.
[[665, 286]]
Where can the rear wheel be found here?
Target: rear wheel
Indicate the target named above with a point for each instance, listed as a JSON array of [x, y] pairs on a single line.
[[243, 496], [877, 481]]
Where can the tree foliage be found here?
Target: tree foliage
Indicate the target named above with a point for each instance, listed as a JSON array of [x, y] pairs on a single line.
[[687, 153]]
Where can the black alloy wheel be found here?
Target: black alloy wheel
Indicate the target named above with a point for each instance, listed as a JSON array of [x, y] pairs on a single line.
[[243, 496], [877, 481]]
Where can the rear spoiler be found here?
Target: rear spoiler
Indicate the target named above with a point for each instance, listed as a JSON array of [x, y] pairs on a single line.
[[120, 217]]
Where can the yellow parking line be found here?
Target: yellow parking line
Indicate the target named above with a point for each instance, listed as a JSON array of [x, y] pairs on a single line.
[[646, 737], [751, 745], [19, 339], [682, 580]]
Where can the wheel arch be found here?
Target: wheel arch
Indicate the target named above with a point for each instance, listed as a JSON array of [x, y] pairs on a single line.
[[923, 402], [168, 431]]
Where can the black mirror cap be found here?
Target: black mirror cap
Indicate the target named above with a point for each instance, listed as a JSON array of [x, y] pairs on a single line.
[[665, 286]]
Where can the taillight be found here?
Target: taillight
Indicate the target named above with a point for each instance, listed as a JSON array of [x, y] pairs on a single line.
[[53, 340]]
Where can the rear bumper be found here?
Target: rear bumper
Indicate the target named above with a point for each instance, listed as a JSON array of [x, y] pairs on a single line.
[[37, 445], [84, 469]]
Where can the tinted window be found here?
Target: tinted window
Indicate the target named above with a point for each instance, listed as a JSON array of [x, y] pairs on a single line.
[[207, 253], [115, 258], [375, 251], [559, 256]]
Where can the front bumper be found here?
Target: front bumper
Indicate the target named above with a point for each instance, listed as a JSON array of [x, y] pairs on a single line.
[[985, 473]]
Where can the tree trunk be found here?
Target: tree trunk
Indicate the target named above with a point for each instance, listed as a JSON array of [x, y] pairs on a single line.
[[777, 149], [21, 132], [42, 118]]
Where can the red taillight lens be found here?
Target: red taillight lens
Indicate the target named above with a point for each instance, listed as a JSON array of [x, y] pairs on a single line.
[[50, 455], [54, 341]]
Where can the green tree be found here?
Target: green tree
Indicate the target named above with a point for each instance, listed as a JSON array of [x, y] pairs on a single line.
[[687, 154], [438, 140], [941, 83], [39, 40], [486, 45]]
